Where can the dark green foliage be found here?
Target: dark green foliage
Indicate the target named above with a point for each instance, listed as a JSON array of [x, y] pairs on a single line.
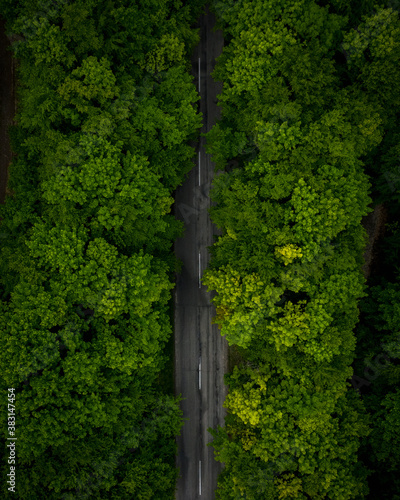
[[286, 435], [309, 107], [377, 365], [105, 113]]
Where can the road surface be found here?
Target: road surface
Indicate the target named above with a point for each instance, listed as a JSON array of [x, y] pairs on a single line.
[[201, 353]]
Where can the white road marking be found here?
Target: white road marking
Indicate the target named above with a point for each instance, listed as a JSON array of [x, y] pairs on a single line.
[[200, 374], [199, 477], [199, 272], [199, 75], [199, 168]]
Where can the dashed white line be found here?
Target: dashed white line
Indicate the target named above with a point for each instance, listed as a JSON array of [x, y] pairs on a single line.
[[199, 272], [200, 374], [199, 477]]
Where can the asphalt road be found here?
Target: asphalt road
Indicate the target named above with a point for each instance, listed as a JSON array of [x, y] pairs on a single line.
[[201, 353]]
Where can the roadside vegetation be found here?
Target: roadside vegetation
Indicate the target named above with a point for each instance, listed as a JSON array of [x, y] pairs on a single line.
[[309, 144], [106, 109]]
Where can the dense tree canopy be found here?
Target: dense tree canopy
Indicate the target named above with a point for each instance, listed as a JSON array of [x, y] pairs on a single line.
[[306, 143], [297, 436], [106, 108]]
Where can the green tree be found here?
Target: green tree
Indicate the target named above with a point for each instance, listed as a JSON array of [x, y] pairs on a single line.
[[294, 427]]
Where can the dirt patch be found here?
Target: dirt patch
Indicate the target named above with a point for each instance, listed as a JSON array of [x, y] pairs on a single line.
[[7, 107], [374, 224]]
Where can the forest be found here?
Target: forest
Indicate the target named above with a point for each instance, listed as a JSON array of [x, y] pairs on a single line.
[[309, 147], [106, 111]]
